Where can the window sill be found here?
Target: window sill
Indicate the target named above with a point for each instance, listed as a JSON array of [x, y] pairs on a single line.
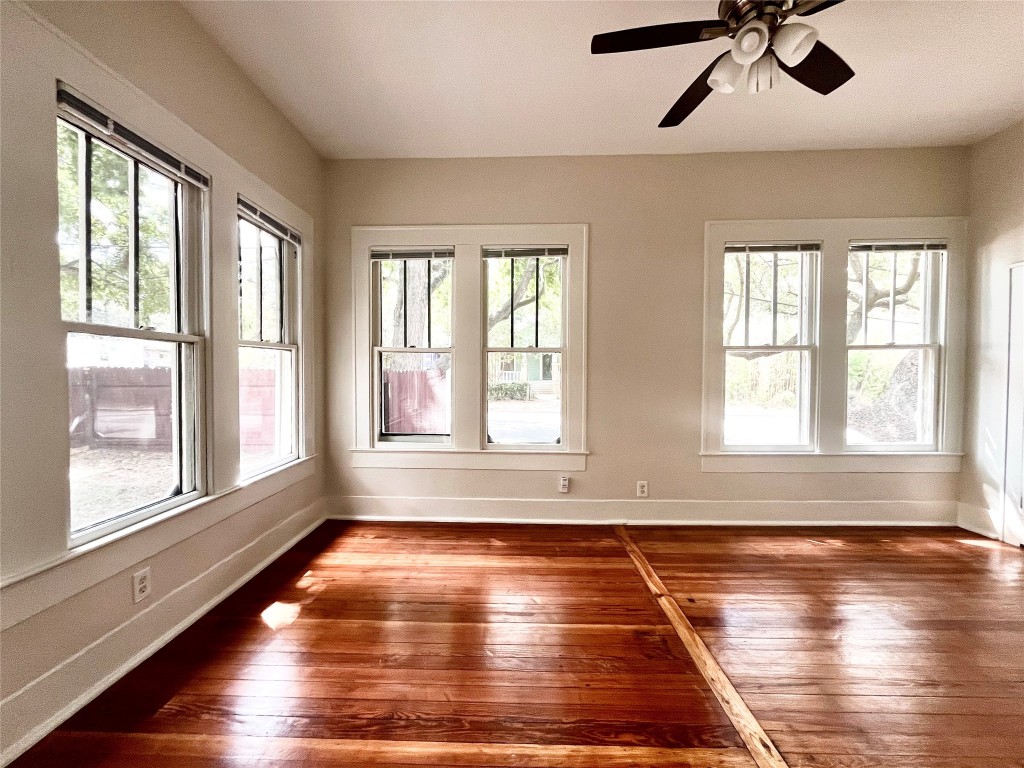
[[192, 516], [446, 458], [831, 462]]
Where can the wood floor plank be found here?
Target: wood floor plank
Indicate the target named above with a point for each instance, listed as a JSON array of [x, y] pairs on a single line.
[[371, 644], [494, 646], [861, 648], [758, 743]]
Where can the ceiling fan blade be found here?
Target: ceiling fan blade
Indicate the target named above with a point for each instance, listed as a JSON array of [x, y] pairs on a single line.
[[822, 71], [691, 98], [658, 36], [811, 7]]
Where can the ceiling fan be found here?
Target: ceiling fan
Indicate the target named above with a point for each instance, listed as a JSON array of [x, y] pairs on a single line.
[[762, 45]]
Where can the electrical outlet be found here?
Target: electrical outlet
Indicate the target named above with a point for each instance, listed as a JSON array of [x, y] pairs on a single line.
[[641, 489], [141, 585], [563, 484]]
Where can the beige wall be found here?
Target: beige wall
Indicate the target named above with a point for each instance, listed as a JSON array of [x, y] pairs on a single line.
[[646, 215], [69, 626], [996, 206]]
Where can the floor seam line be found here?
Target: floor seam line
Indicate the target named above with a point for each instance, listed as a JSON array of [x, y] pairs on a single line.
[[757, 742]]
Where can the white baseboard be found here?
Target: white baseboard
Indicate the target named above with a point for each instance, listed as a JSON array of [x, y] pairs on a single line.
[[976, 520], [641, 511], [295, 527]]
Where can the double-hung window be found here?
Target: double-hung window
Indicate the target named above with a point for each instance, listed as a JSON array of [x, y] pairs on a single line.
[[833, 337], [130, 235], [268, 352], [893, 349], [768, 338], [470, 346], [524, 345], [412, 355]]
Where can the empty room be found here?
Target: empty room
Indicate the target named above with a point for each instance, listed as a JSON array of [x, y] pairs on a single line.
[[512, 384]]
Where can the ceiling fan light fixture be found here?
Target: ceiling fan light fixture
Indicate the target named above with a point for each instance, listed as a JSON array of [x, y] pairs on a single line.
[[750, 42], [764, 74], [792, 42], [727, 76]]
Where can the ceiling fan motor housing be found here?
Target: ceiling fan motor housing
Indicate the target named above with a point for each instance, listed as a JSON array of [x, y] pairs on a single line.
[[737, 13]]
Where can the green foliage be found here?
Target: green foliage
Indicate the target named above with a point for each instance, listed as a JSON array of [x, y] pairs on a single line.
[[508, 390], [113, 215]]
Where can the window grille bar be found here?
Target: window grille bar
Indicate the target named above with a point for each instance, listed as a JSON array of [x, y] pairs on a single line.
[[892, 297], [864, 298], [512, 303], [405, 304], [280, 290], [746, 300], [85, 227], [134, 281], [536, 302], [259, 284], [183, 321], [775, 298], [430, 281], [800, 315]]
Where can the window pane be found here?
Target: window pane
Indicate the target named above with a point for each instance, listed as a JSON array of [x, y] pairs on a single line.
[[69, 227], [513, 287], [123, 425], [270, 249], [525, 296], [890, 396], [524, 398], [901, 275], [441, 302], [551, 302], [911, 278], [733, 325], [249, 281], [499, 302], [417, 286], [761, 272], [157, 307], [416, 393], [766, 398], [111, 210], [392, 302], [789, 311], [777, 312], [266, 401]]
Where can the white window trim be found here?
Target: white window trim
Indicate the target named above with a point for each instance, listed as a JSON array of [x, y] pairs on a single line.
[[291, 314], [468, 448], [193, 264], [828, 415]]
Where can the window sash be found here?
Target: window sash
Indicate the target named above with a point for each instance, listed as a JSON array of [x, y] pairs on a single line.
[[430, 257], [295, 401], [286, 256], [87, 142], [380, 421], [185, 297], [186, 444]]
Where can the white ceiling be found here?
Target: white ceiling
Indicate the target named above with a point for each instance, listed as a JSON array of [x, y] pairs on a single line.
[[486, 79]]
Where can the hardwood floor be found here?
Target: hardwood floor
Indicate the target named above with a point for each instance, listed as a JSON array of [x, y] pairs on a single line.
[[861, 647], [547, 646]]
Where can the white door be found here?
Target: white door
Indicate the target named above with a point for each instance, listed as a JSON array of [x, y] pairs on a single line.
[[1013, 494]]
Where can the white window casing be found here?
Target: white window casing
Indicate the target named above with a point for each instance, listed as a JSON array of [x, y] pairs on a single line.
[[468, 447], [827, 449]]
